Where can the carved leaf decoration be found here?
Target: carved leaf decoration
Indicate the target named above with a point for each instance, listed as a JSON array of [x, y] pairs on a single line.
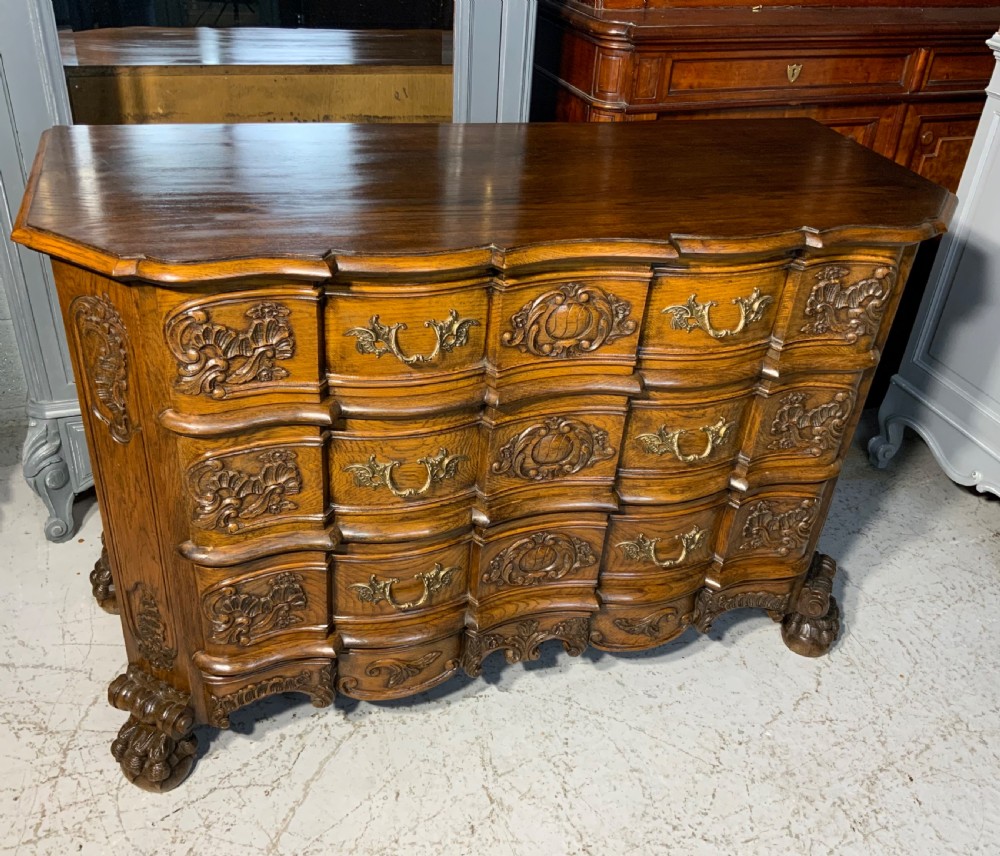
[[398, 672], [242, 613]]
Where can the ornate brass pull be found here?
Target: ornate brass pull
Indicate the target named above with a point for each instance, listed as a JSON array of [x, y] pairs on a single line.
[[695, 316], [376, 590], [375, 475], [793, 71], [379, 339], [645, 548], [664, 441]]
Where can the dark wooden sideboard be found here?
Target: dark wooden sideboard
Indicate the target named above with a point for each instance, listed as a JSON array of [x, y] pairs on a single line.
[[905, 79], [367, 404]]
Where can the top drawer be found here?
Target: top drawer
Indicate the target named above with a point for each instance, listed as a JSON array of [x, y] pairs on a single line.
[[750, 75], [958, 71]]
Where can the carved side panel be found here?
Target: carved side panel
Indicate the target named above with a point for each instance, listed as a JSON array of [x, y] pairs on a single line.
[[149, 628], [103, 344]]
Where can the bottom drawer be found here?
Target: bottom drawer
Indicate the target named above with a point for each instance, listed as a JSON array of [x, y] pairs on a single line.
[[377, 674]]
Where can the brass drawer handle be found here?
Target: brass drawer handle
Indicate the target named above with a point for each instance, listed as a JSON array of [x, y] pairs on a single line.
[[793, 71], [376, 475], [643, 548], [379, 339], [376, 590], [664, 441], [695, 316]]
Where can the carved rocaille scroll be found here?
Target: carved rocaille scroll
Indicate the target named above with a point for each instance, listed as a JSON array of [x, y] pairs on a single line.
[[154, 747], [149, 629], [668, 440], [315, 683], [711, 604], [214, 359], [767, 527], [814, 429], [241, 614], [376, 474], [558, 447], [568, 321], [648, 626], [380, 339], [103, 340], [849, 311], [539, 557], [377, 590], [227, 498], [693, 315], [523, 641], [397, 672]]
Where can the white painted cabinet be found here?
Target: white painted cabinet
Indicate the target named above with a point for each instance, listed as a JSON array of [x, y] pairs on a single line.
[[948, 387]]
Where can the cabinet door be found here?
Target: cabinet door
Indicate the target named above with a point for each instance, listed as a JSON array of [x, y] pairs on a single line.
[[936, 140]]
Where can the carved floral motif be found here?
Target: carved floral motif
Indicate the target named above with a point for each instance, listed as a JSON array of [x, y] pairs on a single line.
[[539, 557], [227, 498], [242, 613], [570, 320], [560, 446], [150, 631], [817, 429], [781, 531], [668, 441], [648, 626], [849, 311], [398, 672], [379, 339], [376, 474], [317, 684], [377, 590], [214, 359], [693, 315], [102, 338], [524, 641]]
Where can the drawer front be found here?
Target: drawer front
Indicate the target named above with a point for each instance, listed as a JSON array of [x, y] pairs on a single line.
[[555, 324], [958, 71], [644, 625], [256, 344], [404, 336], [660, 543], [411, 479], [375, 581], [747, 76], [234, 493], [244, 607], [775, 524], [388, 673], [842, 302], [554, 458]]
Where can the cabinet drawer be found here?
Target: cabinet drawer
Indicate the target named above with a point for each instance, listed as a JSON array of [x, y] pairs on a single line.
[[750, 75], [387, 673], [958, 71]]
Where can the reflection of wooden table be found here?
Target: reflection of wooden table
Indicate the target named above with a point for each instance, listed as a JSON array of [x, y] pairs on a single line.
[[150, 75]]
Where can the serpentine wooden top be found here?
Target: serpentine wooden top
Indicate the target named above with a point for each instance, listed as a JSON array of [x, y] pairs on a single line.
[[180, 203]]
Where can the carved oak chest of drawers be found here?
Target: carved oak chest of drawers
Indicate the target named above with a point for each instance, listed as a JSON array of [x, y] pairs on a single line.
[[368, 404]]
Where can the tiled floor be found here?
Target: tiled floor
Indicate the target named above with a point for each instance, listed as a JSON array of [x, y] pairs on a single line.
[[727, 744]]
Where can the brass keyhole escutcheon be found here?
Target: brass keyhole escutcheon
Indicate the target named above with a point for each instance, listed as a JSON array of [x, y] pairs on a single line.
[[793, 71]]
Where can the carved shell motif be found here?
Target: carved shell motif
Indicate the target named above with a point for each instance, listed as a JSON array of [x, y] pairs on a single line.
[[102, 339], [215, 359], [539, 557], [848, 311], [558, 447], [227, 498], [573, 319], [241, 613]]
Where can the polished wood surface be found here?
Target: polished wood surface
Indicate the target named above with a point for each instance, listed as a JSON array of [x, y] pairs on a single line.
[[141, 75], [366, 409], [863, 70], [252, 46], [272, 197]]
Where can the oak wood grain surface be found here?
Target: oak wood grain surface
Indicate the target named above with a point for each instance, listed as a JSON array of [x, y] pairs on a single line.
[[196, 194]]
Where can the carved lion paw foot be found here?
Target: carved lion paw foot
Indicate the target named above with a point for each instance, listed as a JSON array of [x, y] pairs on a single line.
[[811, 628]]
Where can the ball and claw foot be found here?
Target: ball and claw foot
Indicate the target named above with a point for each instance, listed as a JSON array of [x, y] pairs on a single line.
[[811, 628], [102, 584], [154, 747]]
